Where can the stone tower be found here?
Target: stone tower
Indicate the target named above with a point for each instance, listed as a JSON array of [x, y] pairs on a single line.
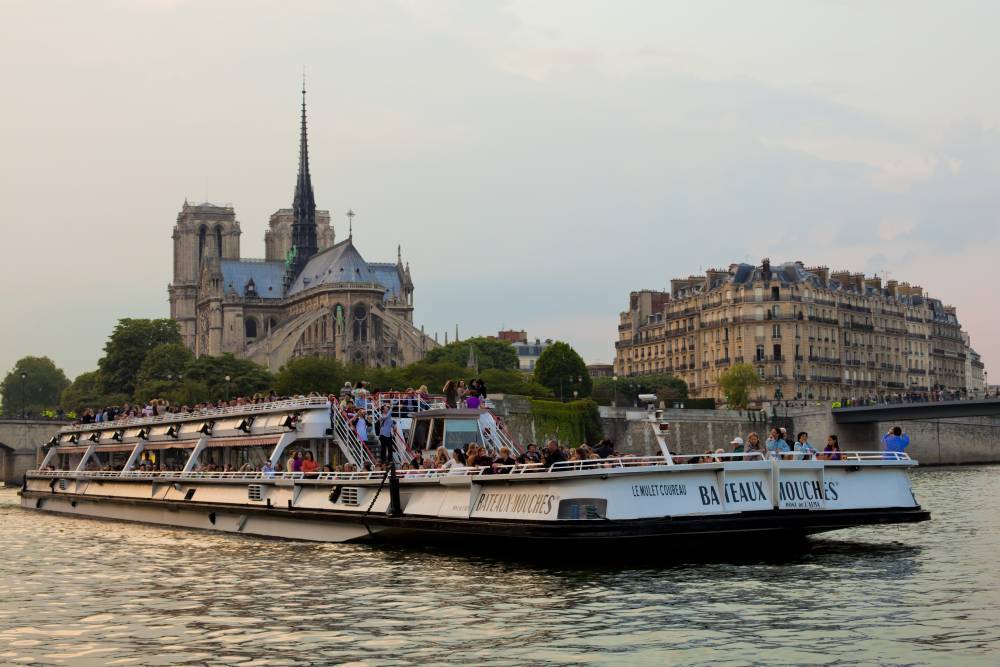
[[202, 230]]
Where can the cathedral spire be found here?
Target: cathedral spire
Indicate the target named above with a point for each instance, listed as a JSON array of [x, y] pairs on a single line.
[[304, 243]]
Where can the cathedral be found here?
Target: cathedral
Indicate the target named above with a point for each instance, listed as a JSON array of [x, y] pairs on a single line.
[[309, 296]]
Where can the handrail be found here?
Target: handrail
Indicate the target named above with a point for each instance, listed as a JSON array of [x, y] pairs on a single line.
[[248, 408], [465, 471]]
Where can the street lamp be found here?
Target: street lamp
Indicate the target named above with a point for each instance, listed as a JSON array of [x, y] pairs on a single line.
[[614, 384], [227, 387], [24, 397]]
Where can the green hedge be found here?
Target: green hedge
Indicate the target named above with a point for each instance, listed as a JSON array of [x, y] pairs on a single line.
[[570, 423]]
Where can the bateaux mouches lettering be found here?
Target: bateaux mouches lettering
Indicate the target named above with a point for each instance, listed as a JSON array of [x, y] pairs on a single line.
[[653, 490], [516, 503], [807, 490], [788, 492], [735, 492]]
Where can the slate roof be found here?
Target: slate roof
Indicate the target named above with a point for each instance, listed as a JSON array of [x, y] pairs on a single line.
[[340, 263], [267, 277]]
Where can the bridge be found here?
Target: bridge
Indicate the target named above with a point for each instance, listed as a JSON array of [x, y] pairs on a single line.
[[21, 443], [867, 414]]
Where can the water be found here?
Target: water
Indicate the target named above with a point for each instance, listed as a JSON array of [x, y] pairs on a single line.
[[78, 591]]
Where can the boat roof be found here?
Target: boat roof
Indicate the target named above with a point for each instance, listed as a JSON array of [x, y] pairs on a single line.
[[450, 412]]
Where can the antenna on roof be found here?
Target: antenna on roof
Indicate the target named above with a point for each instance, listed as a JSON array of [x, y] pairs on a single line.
[[350, 223]]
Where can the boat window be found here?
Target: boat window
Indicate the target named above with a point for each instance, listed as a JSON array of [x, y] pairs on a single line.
[[436, 435], [459, 432], [420, 429]]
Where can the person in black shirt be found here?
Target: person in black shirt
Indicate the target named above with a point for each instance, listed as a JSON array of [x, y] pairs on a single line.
[[605, 448], [505, 462], [417, 462], [531, 455], [553, 454]]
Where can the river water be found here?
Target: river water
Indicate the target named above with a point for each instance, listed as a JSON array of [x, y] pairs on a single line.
[[79, 591]]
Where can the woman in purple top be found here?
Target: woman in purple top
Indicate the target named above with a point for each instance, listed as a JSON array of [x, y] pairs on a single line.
[[832, 450], [297, 462], [472, 400]]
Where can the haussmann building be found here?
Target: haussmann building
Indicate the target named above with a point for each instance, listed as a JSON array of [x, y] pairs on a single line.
[[809, 334]]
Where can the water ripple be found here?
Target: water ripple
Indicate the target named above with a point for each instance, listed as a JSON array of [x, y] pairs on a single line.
[[86, 592]]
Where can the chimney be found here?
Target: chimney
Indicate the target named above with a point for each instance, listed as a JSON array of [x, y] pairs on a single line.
[[893, 287], [859, 282], [874, 282], [765, 269], [842, 277], [823, 273]]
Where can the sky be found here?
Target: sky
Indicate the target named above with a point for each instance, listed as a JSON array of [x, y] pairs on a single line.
[[536, 160]]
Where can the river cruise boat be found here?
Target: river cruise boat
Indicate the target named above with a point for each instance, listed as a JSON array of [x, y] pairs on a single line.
[[223, 470]]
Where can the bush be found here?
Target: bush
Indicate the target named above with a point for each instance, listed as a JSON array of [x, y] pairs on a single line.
[[572, 423]]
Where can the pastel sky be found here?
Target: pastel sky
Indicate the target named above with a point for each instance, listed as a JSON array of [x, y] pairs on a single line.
[[536, 159]]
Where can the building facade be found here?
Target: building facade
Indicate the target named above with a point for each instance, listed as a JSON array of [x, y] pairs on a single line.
[[527, 352], [309, 296], [808, 332]]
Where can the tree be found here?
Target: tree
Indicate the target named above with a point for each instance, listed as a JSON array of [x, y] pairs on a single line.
[[166, 361], [245, 377], [490, 353], [562, 370], [306, 374], [84, 392], [39, 390], [737, 384], [513, 382], [126, 349]]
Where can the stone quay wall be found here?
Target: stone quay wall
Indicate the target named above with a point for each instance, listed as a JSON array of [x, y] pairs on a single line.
[[949, 441]]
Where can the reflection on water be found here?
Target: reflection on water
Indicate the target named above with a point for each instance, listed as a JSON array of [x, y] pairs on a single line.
[[78, 591]]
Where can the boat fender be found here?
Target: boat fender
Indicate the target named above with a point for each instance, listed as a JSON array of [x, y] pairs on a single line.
[[853, 468], [268, 503], [335, 494], [52, 485], [211, 517], [72, 503], [38, 503]]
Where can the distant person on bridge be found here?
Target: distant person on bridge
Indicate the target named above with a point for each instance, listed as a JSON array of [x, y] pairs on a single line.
[[895, 441]]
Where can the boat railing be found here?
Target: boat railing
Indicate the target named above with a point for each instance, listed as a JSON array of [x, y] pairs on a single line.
[[246, 409], [465, 471]]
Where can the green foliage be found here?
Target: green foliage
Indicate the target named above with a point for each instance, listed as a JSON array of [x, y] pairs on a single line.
[[513, 382], [489, 353], [562, 370], [668, 388], [84, 392], [245, 377], [306, 374], [167, 361], [571, 423], [737, 384], [40, 390], [126, 349]]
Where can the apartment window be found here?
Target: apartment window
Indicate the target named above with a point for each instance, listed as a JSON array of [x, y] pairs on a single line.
[[775, 331], [760, 353]]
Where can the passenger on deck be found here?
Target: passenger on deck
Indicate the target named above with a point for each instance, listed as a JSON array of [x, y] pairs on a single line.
[[803, 449], [267, 470], [753, 449], [553, 454], [462, 391], [309, 464], [472, 400], [295, 462], [605, 448], [482, 458], [776, 445], [895, 441], [418, 459], [505, 461], [832, 450], [441, 457], [455, 462], [450, 390], [385, 426], [738, 448], [531, 455]]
